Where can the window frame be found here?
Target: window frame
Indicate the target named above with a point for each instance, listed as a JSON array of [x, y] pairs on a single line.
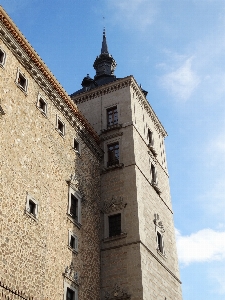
[[112, 109], [78, 196], [106, 225], [27, 209], [2, 63], [59, 120], [69, 286], [73, 235], [78, 148], [160, 243], [25, 87], [44, 111], [113, 162]]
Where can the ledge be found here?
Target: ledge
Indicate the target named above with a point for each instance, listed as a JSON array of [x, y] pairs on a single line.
[[74, 221], [114, 238], [112, 127], [111, 168], [156, 188]]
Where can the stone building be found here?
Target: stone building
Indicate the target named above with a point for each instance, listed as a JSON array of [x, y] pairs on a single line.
[[85, 208]]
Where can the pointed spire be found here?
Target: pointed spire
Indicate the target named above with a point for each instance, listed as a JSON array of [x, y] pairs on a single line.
[[104, 44]]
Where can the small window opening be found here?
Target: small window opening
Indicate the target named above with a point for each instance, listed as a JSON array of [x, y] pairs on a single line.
[[150, 137], [32, 207], [22, 81], [113, 154], [153, 173], [72, 242], [76, 145], [74, 207], [159, 242], [42, 105], [112, 116], [70, 294], [60, 126], [114, 225], [2, 55]]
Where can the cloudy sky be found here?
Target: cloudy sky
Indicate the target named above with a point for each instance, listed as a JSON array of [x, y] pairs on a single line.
[[176, 50]]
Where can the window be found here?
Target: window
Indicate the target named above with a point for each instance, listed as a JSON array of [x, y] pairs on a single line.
[[112, 116], [70, 293], [153, 174], [74, 207], [60, 126], [21, 81], [159, 242], [2, 57], [42, 104], [73, 241], [150, 137], [113, 154], [114, 225], [32, 207], [76, 145]]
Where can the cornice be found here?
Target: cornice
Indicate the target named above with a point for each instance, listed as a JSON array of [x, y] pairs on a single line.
[[144, 103], [117, 85], [40, 72]]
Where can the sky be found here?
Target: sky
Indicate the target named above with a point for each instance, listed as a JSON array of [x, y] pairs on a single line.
[[176, 50]]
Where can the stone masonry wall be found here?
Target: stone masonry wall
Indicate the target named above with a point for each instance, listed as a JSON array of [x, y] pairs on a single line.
[[37, 160]]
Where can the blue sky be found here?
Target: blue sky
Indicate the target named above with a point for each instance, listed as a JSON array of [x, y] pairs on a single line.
[[176, 50]]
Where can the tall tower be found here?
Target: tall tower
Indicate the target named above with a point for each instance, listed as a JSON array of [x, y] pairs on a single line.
[[138, 249]]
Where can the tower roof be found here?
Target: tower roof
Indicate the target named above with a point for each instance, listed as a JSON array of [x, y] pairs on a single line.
[[104, 44]]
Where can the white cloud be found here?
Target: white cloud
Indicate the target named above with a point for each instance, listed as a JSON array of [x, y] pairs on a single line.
[[217, 277], [182, 82], [203, 246], [136, 14]]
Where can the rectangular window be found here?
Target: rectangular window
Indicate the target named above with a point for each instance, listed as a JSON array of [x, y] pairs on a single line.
[[73, 241], [32, 207], [70, 294], [159, 242], [74, 205], [114, 225], [42, 104], [76, 145], [22, 81], [2, 57], [153, 174], [150, 137], [112, 116], [60, 126], [113, 154]]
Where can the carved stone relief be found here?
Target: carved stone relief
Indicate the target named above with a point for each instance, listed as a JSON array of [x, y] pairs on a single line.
[[117, 293], [113, 204]]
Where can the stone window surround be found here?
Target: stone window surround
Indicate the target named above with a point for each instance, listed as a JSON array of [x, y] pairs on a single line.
[[106, 225], [61, 132], [72, 234], [18, 74], [43, 111], [78, 148], [4, 58], [105, 118], [27, 210], [69, 286], [78, 196], [109, 142]]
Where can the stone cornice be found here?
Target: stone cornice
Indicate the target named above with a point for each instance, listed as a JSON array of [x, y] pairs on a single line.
[[40, 72]]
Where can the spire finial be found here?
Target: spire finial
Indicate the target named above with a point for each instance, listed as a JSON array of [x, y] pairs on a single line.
[[104, 43]]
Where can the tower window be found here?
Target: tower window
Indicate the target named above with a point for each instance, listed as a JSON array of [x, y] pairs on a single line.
[[74, 207], [73, 242], [112, 116], [70, 294], [113, 154], [150, 137], [159, 242], [114, 225], [153, 174]]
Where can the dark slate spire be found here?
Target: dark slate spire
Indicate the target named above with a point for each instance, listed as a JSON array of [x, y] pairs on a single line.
[[104, 64], [104, 44]]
